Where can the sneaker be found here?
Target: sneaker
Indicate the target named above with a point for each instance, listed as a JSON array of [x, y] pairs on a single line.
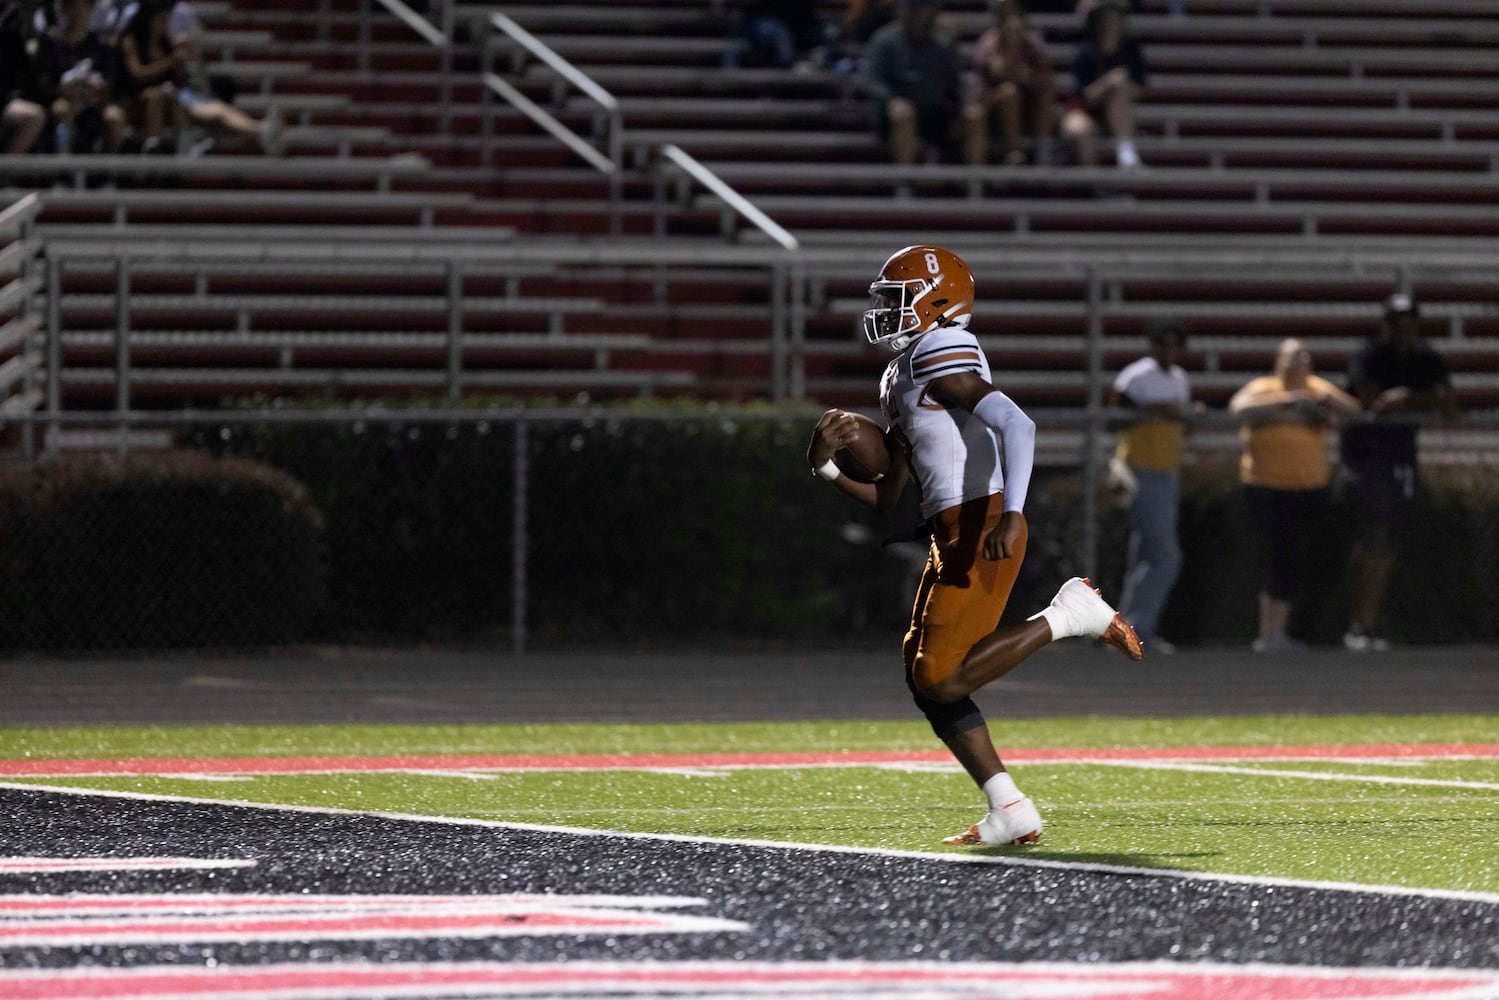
[[1079, 609], [1019, 822], [1281, 643], [1359, 641], [1127, 156]]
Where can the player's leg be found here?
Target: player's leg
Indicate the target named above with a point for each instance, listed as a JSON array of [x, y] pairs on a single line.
[[1011, 817], [964, 646]]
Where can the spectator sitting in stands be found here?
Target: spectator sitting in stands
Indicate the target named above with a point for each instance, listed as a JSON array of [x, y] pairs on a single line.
[[21, 121], [785, 34], [191, 86], [914, 77], [74, 77], [150, 65], [1013, 83], [1109, 72]]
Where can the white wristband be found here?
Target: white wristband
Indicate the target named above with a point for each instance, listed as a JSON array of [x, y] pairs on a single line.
[[828, 470]]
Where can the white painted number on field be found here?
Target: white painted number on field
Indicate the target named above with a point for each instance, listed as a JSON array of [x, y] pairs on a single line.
[[84, 920]]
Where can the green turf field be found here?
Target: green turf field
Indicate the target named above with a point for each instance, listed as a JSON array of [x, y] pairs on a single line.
[[1428, 824]]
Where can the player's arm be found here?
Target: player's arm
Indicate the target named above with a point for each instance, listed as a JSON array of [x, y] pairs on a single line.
[[1016, 431], [837, 429]]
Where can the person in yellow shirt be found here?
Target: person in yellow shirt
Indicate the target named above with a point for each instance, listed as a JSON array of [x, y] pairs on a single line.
[[1286, 422], [1158, 399]]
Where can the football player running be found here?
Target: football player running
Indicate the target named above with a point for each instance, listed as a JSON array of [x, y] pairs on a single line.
[[970, 449]]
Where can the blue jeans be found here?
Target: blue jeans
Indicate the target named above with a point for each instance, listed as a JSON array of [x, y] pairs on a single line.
[[1155, 555]]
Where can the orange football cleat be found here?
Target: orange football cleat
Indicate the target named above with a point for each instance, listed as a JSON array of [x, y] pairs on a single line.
[[972, 838], [1121, 635]]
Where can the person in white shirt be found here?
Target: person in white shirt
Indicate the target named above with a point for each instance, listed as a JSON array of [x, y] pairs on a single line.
[[1146, 469], [970, 449]]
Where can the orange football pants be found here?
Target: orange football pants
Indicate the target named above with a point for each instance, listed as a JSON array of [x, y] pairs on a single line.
[[962, 594]]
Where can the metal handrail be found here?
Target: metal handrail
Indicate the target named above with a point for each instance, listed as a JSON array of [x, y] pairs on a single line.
[[440, 38], [548, 55], [416, 22], [733, 199], [537, 114], [610, 164], [16, 217], [22, 333]]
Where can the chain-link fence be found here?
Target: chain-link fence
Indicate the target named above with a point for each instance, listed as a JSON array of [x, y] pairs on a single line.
[[541, 529]]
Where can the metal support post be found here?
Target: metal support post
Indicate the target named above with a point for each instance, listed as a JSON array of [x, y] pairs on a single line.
[[778, 324], [455, 329], [445, 97], [122, 334], [486, 97], [798, 376], [364, 35], [658, 199], [54, 350], [1091, 426], [521, 483]]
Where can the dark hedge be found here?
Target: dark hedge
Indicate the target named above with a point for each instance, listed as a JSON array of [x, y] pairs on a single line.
[[159, 550], [705, 530]]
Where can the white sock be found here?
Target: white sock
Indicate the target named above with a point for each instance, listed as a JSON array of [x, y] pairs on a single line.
[[1001, 791], [1057, 619], [1127, 154]]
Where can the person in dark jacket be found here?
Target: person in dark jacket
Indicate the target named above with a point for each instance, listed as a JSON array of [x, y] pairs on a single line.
[[1399, 378], [915, 77]]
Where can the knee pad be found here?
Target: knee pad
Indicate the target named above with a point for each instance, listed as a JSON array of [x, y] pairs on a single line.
[[948, 719]]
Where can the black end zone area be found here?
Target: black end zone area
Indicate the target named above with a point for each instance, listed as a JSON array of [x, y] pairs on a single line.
[[794, 905]]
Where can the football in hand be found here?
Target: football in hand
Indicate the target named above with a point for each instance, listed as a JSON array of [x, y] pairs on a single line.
[[865, 459]]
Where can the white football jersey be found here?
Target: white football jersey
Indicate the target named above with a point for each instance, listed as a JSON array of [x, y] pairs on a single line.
[[954, 456]]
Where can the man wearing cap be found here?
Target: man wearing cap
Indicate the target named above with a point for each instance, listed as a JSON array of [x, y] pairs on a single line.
[[1396, 376]]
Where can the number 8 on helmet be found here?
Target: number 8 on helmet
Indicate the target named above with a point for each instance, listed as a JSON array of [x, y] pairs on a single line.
[[920, 289]]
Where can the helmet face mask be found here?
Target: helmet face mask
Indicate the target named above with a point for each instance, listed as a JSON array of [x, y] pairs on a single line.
[[920, 289], [891, 311]]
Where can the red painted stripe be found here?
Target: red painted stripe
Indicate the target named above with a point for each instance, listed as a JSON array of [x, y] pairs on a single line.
[[1101, 980], [594, 762]]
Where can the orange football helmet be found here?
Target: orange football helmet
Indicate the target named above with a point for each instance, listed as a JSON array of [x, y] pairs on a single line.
[[920, 289]]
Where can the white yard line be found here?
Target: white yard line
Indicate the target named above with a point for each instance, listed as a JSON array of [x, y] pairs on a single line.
[[1378, 779], [977, 859]]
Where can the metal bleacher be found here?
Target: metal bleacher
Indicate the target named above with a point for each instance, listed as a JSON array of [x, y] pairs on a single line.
[[1306, 157]]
